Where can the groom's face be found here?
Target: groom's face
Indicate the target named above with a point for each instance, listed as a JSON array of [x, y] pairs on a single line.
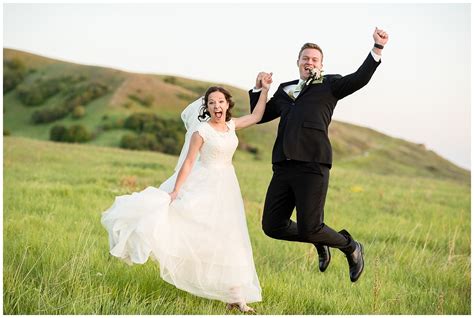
[[309, 59]]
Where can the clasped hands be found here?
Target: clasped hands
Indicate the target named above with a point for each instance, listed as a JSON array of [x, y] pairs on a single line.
[[264, 80]]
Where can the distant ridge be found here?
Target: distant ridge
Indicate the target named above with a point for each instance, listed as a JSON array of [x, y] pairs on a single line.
[[166, 96]]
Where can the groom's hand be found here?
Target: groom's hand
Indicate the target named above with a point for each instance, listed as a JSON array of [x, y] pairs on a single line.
[[260, 76], [380, 36], [267, 81], [380, 39]]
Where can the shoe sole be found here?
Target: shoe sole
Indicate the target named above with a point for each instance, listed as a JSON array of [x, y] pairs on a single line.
[[363, 263], [323, 269]]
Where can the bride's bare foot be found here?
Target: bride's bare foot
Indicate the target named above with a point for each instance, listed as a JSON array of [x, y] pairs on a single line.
[[242, 307]]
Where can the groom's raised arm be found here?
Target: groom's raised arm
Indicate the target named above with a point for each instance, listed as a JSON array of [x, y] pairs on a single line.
[[271, 109], [341, 86]]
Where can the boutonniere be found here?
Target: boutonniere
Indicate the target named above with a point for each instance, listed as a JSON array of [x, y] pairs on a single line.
[[315, 77]]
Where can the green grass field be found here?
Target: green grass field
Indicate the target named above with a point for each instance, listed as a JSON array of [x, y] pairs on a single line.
[[416, 233]]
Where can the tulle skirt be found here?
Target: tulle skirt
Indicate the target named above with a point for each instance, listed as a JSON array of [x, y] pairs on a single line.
[[200, 240]]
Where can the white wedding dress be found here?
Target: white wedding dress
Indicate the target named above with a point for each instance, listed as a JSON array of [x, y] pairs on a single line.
[[200, 240]]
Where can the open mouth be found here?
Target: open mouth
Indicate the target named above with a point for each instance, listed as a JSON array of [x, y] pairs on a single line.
[[218, 114]]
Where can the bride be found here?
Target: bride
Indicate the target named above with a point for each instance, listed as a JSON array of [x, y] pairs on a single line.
[[194, 224]]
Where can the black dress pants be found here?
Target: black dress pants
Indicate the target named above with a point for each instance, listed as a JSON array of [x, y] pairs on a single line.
[[302, 185]]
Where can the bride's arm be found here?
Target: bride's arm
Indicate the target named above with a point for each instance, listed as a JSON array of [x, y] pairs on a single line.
[[257, 114], [188, 163]]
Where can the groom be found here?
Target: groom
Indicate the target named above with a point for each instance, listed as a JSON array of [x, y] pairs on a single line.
[[302, 154]]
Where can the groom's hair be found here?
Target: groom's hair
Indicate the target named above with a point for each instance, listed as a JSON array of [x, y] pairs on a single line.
[[311, 46]]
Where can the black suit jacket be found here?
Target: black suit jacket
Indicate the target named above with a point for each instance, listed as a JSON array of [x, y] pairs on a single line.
[[303, 129]]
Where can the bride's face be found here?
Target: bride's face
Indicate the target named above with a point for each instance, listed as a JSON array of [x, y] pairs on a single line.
[[217, 105]]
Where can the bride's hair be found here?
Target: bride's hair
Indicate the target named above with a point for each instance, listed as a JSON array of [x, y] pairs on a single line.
[[204, 112]]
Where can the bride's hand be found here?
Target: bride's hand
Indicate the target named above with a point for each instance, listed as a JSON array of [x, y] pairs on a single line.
[[267, 81], [173, 195]]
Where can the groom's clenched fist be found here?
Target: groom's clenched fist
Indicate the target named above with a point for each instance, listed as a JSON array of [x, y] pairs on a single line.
[[260, 76], [380, 36]]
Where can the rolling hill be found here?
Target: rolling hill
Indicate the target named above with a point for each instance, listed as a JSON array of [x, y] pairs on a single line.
[[104, 98]]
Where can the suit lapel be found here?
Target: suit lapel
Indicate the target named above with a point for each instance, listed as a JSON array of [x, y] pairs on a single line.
[[294, 82], [280, 89]]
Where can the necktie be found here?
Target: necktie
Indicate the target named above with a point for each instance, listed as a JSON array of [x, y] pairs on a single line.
[[294, 92]]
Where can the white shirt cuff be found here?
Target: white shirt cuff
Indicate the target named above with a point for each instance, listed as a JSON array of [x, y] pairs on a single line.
[[256, 90], [375, 56]]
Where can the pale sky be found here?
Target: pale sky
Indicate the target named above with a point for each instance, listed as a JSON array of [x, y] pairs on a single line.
[[420, 92]]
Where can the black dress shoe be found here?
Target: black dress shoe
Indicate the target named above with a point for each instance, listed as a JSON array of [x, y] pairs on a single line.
[[324, 256], [356, 262]]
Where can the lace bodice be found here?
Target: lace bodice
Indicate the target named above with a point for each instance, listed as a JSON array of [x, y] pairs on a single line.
[[219, 147]]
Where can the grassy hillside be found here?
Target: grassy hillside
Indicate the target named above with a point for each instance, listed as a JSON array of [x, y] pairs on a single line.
[[416, 232], [166, 96]]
